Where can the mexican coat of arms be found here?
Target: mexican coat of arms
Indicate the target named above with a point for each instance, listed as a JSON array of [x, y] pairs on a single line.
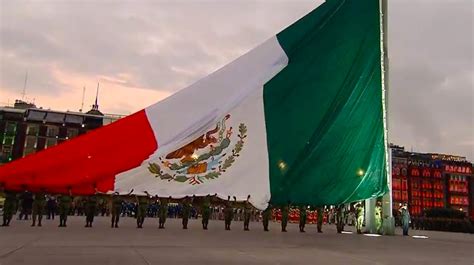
[[205, 158]]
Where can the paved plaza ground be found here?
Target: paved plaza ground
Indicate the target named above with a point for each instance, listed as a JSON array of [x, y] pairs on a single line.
[[22, 244]]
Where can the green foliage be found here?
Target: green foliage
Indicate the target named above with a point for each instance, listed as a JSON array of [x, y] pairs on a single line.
[[238, 147], [165, 176], [154, 168], [228, 162], [242, 131], [181, 178], [212, 175]]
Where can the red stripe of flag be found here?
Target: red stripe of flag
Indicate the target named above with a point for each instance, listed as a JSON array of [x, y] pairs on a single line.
[[89, 160]]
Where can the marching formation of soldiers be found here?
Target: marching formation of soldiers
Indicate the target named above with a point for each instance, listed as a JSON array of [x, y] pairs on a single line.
[[186, 205]]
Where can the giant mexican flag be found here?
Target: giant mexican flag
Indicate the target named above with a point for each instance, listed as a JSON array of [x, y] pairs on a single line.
[[298, 119]]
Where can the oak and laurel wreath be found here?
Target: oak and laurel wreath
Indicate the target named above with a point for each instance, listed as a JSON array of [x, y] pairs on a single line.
[[196, 179]]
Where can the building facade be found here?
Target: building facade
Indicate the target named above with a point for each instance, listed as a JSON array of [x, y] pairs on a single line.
[[426, 180], [26, 129]]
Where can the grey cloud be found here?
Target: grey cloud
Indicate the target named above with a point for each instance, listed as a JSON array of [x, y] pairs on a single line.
[[431, 56]]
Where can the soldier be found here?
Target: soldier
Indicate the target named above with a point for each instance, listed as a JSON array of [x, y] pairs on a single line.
[[51, 207], [247, 213], [405, 218], [39, 204], [378, 217], [65, 202], [9, 207], [206, 211], [142, 206], [90, 209], [360, 217], [163, 212], [266, 215], [284, 216], [302, 218], [26, 199], [340, 218], [186, 205], [117, 202], [320, 219], [228, 213], [79, 203]]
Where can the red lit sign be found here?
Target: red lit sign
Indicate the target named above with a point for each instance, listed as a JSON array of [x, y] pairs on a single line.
[[458, 169]]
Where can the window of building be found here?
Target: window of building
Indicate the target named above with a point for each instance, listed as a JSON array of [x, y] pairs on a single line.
[[8, 140], [30, 145], [51, 142], [71, 133], [6, 154], [52, 131], [10, 128], [32, 129]]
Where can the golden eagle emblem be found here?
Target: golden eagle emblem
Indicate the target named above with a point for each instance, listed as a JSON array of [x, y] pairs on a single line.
[[203, 159]]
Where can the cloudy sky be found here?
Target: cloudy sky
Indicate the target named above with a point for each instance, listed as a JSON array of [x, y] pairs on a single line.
[[142, 52]]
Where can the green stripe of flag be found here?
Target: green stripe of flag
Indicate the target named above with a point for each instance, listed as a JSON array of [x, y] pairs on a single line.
[[324, 111]]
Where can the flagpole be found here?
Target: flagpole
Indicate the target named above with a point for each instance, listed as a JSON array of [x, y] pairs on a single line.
[[388, 220]]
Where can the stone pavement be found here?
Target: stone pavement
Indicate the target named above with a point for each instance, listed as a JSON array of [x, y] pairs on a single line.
[[22, 244]]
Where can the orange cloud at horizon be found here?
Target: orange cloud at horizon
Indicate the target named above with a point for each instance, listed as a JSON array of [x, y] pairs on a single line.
[[116, 95]]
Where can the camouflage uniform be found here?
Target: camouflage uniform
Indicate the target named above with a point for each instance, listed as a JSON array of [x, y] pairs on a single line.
[[340, 218], [266, 215], [206, 211], [142, 208], [9, 207], [163, 213], [64, 209], [228, 214], [91, 208], [39, 204], [320, 219], [378, 219], [302, 218], [186, 210], [284, 217], [247, 213], [116, 209], [360, 218]]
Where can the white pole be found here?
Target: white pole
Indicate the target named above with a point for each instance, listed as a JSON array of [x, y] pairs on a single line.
[[388, 220]]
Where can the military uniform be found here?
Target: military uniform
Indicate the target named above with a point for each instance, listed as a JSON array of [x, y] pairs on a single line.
[[142, 208], [65, 202], [302, 218], [206, 211], [266, 215], [163, 213], [228, 214], [247, 214], [378, 219], [360, 218], [9, 207], [186, 210], [340, 218], [91, 208], [39, 204], [284, 217], [116, 209], [320, 219], [405, 219]]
